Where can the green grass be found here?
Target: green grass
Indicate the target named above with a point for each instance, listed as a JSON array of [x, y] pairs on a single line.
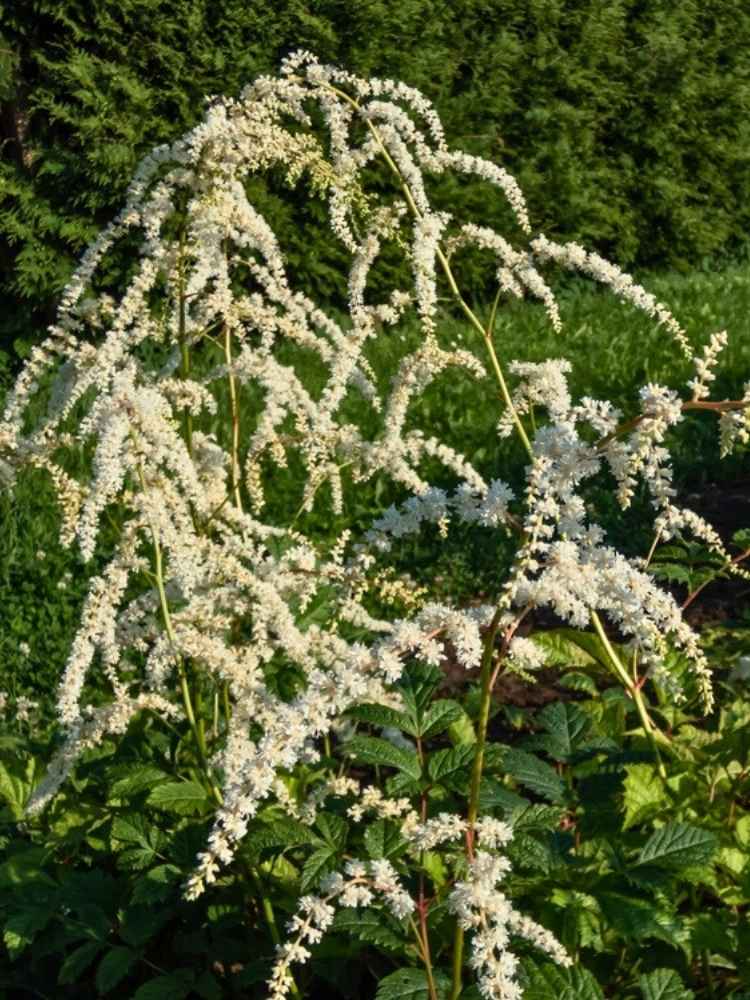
[[613, 350]]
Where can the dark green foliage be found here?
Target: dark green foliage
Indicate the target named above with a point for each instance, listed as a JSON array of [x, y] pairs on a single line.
[[626, 122], [650, 902]]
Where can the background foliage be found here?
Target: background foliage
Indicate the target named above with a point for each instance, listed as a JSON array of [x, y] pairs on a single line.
[[625, 121]]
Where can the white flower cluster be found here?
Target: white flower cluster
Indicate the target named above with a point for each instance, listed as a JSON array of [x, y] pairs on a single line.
[[485, 505], [425, 835], [363, 883], [565, 563], [200, 586], [576, 258], [482, 908]]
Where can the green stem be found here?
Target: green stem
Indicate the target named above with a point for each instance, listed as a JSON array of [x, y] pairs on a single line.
[[270, 918], [633, 690], [424, 952]]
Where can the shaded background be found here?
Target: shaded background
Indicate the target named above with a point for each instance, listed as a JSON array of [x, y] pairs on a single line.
[[626, 121]]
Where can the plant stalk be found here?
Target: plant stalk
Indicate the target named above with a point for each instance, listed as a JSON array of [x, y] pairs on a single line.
[[485, 681]]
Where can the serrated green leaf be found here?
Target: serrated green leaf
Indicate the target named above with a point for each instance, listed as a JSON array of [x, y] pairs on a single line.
[[534, 774], [175, 986], [372, 750], [713, 933], [182, 797], [493, 795], [383, 840], [440, 715], [411, 984], [114, 967], [14, 791], [664, 984], [644, 794], [382, 715], [434, 864], [136, 779], [566, 729], [156, 884], [535, 816], [135, 829], [23, 925], [550, 982], [371, 926], [26, 868], [678, 845], [285, 832], [77, 962], [633, 917], [562, 648], [139, 923], [333, 829], [576, 680], [320, 863], [526, 851], [449, 767]]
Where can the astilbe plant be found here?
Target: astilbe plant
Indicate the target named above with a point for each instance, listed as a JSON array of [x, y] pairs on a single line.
[[205, 589]]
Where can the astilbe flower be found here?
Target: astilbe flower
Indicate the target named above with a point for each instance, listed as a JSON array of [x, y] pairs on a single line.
[[227, 583]]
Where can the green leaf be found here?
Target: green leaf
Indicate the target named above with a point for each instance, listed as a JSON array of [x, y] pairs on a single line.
[[156, 885], [411, 984], [576, 680], [449, 767], [550, 982], [77, 962], [536, 817], [527, 851], [372, 750], [664, 984], [26, 868], [320, 863], [135, 829], [434, 864], [333, 829], [136, 779], [371, 926], [644, 794], [534, 774], [383, 840], [440, 715], [182, 797], [678, 845], [284, 832], [634, 917], [114, 967], [418, 685], [567, 727], [563, 648], [462, 730], [22, 926], [175, 986], [139, 923], [14, 790], [382, 715], [207, 987]]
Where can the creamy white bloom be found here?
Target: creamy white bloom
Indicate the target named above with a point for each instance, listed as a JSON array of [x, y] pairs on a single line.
[[198, 583]]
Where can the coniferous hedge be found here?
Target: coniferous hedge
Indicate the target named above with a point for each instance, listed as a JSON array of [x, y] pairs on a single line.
[[625, 121]]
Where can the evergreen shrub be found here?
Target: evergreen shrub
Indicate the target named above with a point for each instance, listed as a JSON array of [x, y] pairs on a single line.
[[625, 122]]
